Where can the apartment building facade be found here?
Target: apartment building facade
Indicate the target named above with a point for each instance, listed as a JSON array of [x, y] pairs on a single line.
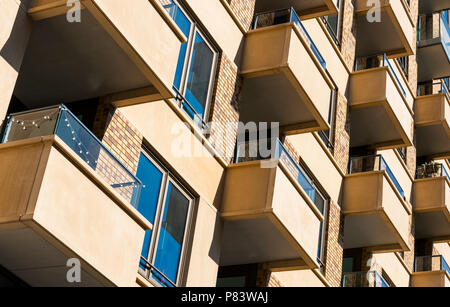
[[225, 143]]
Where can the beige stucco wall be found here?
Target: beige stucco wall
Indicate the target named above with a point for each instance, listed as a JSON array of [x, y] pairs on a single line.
[[432, 109], [396, 211], [335, 65], [393, 268], [205, 252], [219, 23], [400, 172], [320, 164], [299, 278], [444, 250], [295, 214], [182, 150], [14, 34], [431, 194], [430, 279]]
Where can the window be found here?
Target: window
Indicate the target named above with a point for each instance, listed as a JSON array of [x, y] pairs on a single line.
[[165, 204], [237, 276], [196, 65], [326, 135], [333, 24], [404, 65]]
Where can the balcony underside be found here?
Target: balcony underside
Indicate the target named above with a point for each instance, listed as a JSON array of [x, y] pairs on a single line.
[[28, 254], [376, 126], [305, 9], [432, 60], [266, 219], [386, 36], [277, 98], [429, 6], [433, 141], [257, 240], [101, 55], [68, 62], [370, 230], [433, 224]]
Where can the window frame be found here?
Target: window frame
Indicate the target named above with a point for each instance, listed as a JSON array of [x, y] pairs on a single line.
[[196, 28], [167, 178]]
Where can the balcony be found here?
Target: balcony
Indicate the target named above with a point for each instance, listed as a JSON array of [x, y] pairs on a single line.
[[431, 271], [381, 108], [272, 210], [393, 34], [430, 6], [433, 124], [431, 202], [433, 47], [305, 9], [376, 214], [64, 195], [276, 88], [101, 55], [370, 279]]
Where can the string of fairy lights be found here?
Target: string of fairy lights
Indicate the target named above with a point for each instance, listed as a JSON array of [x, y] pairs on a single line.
[[81, 149]]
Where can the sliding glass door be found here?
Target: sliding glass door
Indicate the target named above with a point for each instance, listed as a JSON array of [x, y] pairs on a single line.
[[167, 205]]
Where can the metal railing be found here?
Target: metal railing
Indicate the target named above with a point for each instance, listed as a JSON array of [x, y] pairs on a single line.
[[431, 170], [438, 86], [287, 15], [58, 120], [388, 64], [151, 273], [374, 163], [431, 263], [184, 105], [265, 149], [429, 35], [366, 279]]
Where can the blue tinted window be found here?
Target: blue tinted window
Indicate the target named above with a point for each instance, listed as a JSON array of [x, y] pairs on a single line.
[[199, 76], [151, 178], [171, 234], [185, 26]]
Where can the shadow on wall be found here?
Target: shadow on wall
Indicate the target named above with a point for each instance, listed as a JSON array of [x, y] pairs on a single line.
[[14, 36], [13, 49], [215, 244]]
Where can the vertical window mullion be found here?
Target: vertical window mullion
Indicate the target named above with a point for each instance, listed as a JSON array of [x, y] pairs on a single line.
[[158, 219], [188, 59], [185, 236], [211, 79]]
